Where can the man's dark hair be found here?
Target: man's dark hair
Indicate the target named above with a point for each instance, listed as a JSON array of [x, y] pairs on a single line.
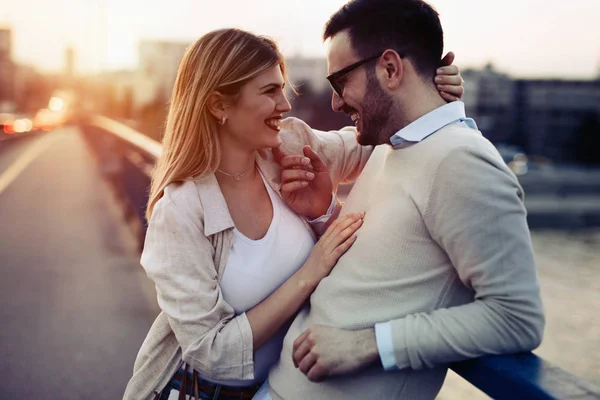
[[410, 27]]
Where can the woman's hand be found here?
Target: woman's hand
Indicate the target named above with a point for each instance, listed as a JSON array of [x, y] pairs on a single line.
[[333, 244], [306, 186], [448, 80]]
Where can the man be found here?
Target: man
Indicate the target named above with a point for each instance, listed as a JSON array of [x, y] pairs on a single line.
[[443, 268]]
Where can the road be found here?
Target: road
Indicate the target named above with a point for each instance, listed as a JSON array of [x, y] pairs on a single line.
[[76, 304]]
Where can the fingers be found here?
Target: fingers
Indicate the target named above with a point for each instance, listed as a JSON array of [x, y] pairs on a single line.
[[300, 343], [338, 227], [450, 84], [290, 187], [303, 358], [317, 373], [294, 179], [448, 59], [289, 162], [448, 97], [290, 175], [341, 240], [453, 91], [315, 160], [453, 79], [343, 247], [307, 363]]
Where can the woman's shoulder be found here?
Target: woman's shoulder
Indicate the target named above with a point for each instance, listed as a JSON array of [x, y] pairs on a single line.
[[181, 198]]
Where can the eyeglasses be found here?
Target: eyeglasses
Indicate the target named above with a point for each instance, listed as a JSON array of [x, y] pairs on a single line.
[[334, 79]]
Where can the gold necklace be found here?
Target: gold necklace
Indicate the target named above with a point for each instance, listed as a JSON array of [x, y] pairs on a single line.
[[235, 177]]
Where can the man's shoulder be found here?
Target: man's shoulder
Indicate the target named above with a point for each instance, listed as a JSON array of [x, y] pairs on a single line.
[[457, 137]]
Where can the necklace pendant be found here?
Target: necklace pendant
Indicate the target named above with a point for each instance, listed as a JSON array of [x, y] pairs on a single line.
[[238, 176]]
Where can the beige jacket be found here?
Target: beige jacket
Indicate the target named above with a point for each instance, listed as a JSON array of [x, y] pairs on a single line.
[[187, 244]]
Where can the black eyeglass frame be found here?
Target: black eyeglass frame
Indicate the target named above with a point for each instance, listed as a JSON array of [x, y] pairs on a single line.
[[336, 75]]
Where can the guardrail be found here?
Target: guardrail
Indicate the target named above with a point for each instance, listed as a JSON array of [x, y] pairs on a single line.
[[126, 158]]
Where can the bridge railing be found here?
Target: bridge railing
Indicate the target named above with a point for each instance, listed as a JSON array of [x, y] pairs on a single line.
[[126, 158]]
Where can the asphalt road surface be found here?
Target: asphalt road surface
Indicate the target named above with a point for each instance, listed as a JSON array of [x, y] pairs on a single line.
[[75, 303]]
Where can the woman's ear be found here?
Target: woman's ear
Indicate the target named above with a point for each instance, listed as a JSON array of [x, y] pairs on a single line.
[[216, 105]]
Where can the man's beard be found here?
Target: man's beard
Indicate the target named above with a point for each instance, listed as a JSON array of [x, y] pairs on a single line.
[[377, 113]]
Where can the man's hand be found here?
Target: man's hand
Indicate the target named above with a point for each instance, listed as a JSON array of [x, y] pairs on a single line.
[[305, 182], [322, 351]]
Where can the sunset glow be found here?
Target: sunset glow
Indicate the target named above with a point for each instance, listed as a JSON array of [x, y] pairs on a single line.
[[521, 37]]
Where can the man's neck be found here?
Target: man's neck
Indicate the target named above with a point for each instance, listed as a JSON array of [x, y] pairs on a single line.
[[412, 107]]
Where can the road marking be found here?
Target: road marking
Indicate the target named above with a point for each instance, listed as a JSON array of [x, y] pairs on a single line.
[[25, 160]]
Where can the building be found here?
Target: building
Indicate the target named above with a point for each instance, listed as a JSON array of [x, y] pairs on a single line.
[[544, 117], [488, 99], [308, 71], [7, 72], [550, 115], [157, 69]]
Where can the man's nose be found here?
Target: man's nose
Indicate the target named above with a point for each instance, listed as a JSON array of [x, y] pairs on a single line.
[[336, 102]]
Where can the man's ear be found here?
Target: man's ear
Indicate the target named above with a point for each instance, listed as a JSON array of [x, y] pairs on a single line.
[[216, 104], [394, 68]]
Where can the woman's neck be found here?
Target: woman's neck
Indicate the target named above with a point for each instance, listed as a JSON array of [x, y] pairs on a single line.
[[236, 166]]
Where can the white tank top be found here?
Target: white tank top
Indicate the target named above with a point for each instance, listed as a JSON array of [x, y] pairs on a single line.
[[256, 268]]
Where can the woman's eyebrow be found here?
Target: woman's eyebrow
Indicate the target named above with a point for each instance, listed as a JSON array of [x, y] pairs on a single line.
[[273, 84]]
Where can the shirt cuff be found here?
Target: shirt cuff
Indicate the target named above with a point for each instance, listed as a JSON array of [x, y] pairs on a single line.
[[385, 345], [325, 217]]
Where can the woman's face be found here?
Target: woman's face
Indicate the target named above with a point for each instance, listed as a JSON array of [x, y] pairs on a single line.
[[253, 119]]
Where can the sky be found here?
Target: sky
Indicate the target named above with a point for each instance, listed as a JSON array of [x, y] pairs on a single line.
[[524, 38]]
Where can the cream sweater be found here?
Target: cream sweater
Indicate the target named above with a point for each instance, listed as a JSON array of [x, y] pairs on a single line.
[[444, 254]]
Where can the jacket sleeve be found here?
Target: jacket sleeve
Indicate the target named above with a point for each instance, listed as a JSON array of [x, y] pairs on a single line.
[[475, 212], [338, 149], [178, 257]]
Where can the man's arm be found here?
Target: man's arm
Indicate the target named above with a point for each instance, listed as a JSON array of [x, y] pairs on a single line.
[[476, 214]]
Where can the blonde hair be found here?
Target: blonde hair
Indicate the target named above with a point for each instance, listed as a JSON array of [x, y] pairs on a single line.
[[222, 60]]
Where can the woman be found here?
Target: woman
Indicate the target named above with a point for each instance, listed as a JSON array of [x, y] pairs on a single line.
[[231, 262]]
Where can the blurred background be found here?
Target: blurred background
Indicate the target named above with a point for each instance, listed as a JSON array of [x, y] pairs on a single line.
[[84, 91]]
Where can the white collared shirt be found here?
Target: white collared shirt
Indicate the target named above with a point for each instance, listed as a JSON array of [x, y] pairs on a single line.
[[432, 122]]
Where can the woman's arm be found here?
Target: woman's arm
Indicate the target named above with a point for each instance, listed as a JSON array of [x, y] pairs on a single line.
[[267, 317], [178, 257]]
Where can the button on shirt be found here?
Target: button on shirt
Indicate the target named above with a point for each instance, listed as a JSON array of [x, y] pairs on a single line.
[[415, 132]]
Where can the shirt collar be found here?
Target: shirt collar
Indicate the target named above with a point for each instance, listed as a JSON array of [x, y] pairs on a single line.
[[431, 122], [216, 213]]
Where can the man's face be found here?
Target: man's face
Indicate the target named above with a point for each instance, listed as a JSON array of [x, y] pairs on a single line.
[[362, 96]]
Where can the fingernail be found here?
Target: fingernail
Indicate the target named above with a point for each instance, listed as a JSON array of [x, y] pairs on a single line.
[[440, 71], [304, 183], [310, 175], [438, 79], [440, 87], [306, 161]]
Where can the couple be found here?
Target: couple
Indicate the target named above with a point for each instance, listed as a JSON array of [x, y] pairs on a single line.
[[428, 262]]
